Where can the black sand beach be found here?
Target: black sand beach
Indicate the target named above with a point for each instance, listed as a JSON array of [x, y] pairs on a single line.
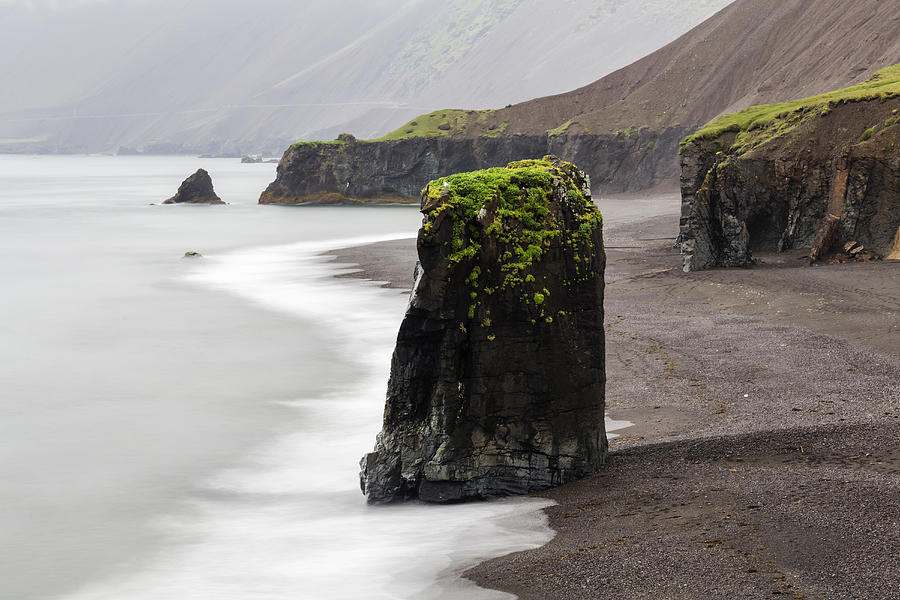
[[765, 455]]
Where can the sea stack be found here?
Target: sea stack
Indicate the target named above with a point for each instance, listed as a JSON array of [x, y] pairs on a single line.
[[498, 378], [196, 189]]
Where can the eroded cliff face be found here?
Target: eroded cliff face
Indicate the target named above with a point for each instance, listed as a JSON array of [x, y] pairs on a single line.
[[498, 377], [829, 179], [350, 171], [627, 161]]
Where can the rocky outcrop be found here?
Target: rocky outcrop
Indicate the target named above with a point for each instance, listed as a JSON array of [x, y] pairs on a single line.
[[196, 189], [351, 171], [817, 176], [498, 377], [348, 171]]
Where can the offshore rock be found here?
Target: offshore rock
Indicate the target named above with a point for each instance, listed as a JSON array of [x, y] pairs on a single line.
[[196, 189], [818, 175], [498, 378]]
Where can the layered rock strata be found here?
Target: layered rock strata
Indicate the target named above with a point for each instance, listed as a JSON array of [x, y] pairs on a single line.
[[816, 174], [196, 189], [498, 377]]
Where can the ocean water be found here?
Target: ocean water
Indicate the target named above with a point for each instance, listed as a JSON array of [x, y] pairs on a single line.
[[191, 429]]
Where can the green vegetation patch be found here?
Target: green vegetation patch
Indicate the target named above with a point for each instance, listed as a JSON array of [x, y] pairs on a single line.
[[315, 145], [496, 130], [627, 133], [561, 129], [759, 124], [446, 123]]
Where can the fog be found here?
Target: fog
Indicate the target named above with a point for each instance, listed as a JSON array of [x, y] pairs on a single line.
[[228, 76]]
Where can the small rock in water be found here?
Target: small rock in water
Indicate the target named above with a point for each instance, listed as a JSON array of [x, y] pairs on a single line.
[[196, 189]]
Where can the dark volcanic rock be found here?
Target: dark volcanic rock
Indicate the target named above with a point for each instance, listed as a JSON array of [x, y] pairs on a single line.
[[832, 178], [351, 171], [196, 189], [497, 381]]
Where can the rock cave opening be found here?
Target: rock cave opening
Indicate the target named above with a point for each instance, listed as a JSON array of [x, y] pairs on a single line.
[[765, 229]]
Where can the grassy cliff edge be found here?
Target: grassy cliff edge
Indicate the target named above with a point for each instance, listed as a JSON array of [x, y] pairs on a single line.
[[757, 125]]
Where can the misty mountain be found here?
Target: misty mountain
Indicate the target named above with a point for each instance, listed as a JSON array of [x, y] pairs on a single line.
[[227, 76]]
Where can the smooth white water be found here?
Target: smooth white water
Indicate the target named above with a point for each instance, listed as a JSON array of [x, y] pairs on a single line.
[[178, 428]]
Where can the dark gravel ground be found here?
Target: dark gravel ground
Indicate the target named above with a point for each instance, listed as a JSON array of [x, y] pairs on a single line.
[[798, 513], [392, 263], [765, 456]]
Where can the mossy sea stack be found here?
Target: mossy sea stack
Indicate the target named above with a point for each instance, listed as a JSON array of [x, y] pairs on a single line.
[[498, 378]]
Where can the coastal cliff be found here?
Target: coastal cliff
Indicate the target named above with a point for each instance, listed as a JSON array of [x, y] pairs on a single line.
[[351, 171], [498, 377], [816, 173]]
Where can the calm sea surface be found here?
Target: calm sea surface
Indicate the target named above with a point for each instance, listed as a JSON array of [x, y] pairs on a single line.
[[190, 429]]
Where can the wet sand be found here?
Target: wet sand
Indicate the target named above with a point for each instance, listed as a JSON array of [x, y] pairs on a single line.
[[765, 455]]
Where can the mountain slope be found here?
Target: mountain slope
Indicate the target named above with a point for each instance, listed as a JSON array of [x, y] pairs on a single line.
[[751, 52], [213, 75]]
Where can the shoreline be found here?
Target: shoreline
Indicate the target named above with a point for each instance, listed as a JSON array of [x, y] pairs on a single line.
[[733, 379]]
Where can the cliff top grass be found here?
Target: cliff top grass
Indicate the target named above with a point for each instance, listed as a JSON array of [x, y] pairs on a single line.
[[759, 124], [317, 144], [561, 129], [448, 123], [521, 222]]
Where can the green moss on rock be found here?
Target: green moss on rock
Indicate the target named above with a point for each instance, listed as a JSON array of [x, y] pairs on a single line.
[[447, 123], [496, 226]]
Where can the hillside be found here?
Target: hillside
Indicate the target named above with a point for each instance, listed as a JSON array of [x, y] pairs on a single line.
[[814, 173], [733, 60], [625, 128], [254, 77]]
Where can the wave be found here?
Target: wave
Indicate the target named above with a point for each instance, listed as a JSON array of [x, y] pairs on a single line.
[[289, 521]]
